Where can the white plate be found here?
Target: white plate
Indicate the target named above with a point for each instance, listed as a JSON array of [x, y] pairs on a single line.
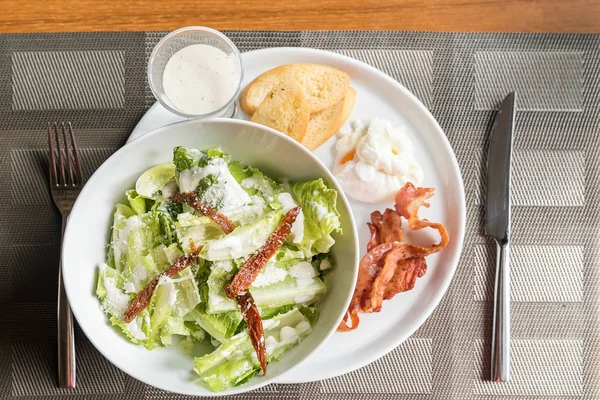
[[88, 230], [378, 95]]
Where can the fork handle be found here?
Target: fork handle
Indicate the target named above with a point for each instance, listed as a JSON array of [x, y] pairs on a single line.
[[66, 337]]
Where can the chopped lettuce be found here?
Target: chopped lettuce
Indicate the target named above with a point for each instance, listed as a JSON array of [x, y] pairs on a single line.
[[172, 300], [186, 157], [221, 273], [219, 326], [150, 232], [321, 215], [136, 202], [173, 326], [122, 213], [276, 286], [162, 318], [199, 229], [244, 240], [151, 182], [256, 183], [234, 362]]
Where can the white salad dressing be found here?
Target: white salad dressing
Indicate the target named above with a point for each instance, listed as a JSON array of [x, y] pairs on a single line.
[[271, 344], [129, 287], [169, 285], [229, 246], [133, 222], [302, 327], [304, 274], [138, 276], [297, 231], [321, 210], [374, 161], [135, 328], [250, 212], [226, 190], [169, 189], [200, 79], [270, 324], [261, 184], [116, 301], [269, 275], [287, 333], [304, 298]]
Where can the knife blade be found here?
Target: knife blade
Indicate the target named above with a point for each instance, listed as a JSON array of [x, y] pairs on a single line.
[[497, 206], [497, 225]]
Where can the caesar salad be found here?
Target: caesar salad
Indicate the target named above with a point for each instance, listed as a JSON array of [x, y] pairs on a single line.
[[206, 249]]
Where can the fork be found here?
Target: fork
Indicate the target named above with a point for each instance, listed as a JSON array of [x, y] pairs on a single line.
[[66, 181]]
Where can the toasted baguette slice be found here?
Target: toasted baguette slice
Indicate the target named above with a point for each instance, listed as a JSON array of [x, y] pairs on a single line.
[[324, 86], [285, 109], [324, 124]]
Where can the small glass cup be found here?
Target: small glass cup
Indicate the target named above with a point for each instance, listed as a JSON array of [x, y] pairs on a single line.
[[176, 41]]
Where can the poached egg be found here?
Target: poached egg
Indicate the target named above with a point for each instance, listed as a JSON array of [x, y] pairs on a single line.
[[373, 161]]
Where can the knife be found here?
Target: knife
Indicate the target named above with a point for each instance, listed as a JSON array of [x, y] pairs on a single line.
[[497, 225]]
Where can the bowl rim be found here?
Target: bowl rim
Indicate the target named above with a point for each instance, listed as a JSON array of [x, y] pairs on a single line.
[[149, 136]]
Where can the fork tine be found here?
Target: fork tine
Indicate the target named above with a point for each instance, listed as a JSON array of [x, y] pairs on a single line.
[[76, 154], [60, 157], [68, 156], [52, 166]]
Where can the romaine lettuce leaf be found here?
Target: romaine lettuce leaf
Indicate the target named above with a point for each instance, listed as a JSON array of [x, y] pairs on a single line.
[[207, 174], [319, 204], [173, 326], [194, 329], [198, 228], [139, 235], [172, 300], [221, 273], [244, 240], [276, 290], [136, 202], [219, 326], [119, 244], [234, 361], [320, 212], [154, 179], [163, 317], [186, 157], [255, 182]]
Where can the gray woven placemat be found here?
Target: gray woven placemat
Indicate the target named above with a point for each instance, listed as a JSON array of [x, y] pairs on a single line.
[[97, 81]]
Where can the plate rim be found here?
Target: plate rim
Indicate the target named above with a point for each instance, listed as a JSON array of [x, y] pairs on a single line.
[[368, 358]]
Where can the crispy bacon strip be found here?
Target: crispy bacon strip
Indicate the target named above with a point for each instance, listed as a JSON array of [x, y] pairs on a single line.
[[255, 327], [251, 268], [192, 200], [404, 272], [406, 275], [388, 270], [375, 229], [391, 227], [408, 201], [369, 268], [142, 299], [386, 227]]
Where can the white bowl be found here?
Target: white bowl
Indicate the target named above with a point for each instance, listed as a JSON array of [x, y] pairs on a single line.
[[88, 231]]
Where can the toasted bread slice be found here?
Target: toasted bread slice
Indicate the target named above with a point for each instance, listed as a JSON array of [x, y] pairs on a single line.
[[324, 86], [324, 124], [286, 109]]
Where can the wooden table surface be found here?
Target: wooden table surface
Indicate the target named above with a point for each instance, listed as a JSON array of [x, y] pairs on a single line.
[[433, 15]]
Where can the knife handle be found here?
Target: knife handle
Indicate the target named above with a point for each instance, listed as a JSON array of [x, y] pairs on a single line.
[[501, 327]]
